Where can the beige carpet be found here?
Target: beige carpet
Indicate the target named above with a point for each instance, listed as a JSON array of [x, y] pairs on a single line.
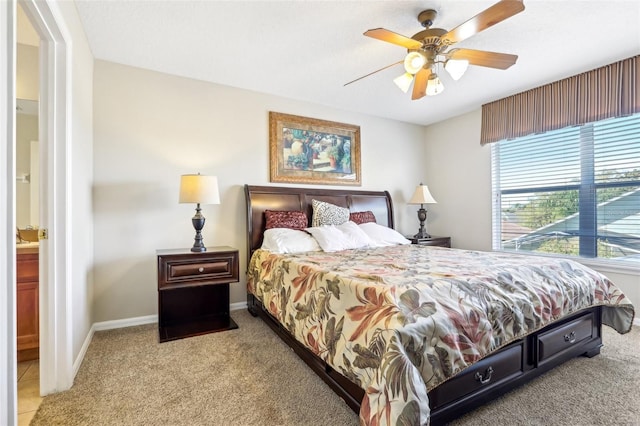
[[249, 377]]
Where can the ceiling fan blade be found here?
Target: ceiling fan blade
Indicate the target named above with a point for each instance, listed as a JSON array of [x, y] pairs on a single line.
[[393, 38], [485, 19], [420, 84], [371, 73], [484, 58]]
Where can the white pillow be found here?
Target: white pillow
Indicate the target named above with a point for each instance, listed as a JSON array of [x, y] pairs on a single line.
[[340, 237], [285, 240], [382, 236]]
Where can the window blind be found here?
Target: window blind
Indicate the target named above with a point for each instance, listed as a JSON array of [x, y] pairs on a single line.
[[572, 191]]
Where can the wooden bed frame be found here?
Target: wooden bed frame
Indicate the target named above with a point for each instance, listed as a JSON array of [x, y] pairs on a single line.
[[510, 367]]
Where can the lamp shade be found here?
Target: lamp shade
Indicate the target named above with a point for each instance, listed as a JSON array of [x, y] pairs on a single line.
[[414, 61], [199, 189], [456, 67], [422, 196], [404, 81], [434, 85]]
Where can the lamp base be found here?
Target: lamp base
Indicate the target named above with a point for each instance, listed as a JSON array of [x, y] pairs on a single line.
[[421, 235], [198, 224], [422, 217]]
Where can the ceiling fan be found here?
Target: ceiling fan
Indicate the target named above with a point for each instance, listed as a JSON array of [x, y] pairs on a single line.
[[430, 47]]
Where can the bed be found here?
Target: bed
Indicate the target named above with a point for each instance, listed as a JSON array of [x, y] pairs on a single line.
[[401, 332]]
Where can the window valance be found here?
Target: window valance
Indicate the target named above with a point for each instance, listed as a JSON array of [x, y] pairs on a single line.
[[610, 91]]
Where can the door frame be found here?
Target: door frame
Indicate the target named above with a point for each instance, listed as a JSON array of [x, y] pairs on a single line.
[[8, 382], [56, 357]]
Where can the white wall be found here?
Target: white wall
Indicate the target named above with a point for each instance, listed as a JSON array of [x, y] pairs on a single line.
[[459, 177], [149, 128]]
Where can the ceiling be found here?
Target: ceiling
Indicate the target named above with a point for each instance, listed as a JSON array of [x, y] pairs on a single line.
[[307, 50]]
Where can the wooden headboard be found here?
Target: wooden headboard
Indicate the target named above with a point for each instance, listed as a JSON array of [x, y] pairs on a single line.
[[261, 198]]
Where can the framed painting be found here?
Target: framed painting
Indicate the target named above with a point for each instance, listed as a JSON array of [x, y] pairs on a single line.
[[308, 150]]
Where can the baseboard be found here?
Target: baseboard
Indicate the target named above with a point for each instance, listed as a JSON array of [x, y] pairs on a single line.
[[126, 322], [238, 306], [83, 350]]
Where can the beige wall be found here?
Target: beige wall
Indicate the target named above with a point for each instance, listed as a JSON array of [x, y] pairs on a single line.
[[459, 174], [27, 85], [149, 128]]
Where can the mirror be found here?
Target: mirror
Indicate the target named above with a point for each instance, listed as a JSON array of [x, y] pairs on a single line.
[[27, 164]]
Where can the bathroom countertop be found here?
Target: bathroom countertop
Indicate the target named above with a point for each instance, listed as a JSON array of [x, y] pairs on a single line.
[[28, 248]]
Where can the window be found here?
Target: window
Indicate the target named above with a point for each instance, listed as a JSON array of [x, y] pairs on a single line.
[[573, 191]]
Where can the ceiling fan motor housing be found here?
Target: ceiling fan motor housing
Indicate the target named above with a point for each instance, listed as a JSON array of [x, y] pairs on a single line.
[[431, 37], [426, 17]]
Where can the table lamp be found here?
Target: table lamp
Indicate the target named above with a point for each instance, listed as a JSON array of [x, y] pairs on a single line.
[[199, 189], [422, 196]]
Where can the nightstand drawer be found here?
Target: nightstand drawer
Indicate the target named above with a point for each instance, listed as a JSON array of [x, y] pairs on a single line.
[[179, 271], [207, 268]]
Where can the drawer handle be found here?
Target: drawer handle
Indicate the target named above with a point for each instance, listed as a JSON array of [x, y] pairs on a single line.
[[487, 378], [570, 338], [201, 269]]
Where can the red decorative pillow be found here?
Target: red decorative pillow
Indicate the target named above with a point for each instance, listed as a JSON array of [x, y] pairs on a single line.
[[362, 217], [292, 219]]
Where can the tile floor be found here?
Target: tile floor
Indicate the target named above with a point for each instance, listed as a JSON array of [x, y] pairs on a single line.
[[28, 391]]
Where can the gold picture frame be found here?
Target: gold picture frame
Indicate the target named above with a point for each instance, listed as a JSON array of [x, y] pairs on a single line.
[[309, 150]]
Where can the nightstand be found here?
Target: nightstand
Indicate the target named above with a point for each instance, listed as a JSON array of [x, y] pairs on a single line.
[[433, 241], [193, 291]]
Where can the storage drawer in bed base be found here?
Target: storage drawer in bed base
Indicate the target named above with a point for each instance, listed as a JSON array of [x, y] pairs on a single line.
[[505, 365], [534, 363]]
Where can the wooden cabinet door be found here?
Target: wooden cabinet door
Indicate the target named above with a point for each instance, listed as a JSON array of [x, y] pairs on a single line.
[[27, 303], [27, 315]]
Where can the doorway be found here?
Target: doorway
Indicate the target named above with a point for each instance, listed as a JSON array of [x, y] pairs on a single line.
[[56, 362]]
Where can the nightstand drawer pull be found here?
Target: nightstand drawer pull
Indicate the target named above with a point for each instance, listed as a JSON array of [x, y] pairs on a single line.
[[201, 269]]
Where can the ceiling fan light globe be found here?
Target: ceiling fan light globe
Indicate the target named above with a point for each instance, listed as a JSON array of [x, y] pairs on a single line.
[[404, 81], [414, 61], [434, 85], [456, 67]]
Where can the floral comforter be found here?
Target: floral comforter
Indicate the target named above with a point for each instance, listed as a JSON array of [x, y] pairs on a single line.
[[398, 321]]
